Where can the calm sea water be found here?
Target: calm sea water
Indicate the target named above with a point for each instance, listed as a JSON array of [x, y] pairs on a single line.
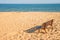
[[29, 7]]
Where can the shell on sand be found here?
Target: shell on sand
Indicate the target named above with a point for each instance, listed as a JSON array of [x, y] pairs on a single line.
[[13, 24]]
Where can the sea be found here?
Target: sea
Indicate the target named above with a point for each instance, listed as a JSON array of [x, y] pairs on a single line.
[[29, 7]]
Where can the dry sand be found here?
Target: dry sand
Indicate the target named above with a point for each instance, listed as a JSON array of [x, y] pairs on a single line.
[[13, 24]]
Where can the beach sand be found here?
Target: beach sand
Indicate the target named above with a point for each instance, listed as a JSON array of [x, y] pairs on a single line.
[[13, 24]]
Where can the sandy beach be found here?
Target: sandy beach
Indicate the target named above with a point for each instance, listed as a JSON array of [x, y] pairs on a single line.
[[13, 24]]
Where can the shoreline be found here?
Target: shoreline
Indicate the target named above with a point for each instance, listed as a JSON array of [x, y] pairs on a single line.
[[31, 11]]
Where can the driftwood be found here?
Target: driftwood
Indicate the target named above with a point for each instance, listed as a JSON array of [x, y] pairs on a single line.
[[43, 26]]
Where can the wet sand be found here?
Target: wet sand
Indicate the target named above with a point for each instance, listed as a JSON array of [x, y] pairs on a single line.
[[13, 24]]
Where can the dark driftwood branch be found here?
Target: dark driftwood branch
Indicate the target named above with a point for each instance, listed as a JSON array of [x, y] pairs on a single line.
[[43, 26]]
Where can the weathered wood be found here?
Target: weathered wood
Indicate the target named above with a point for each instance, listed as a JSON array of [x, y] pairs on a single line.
[[31, 30], [43, 26]]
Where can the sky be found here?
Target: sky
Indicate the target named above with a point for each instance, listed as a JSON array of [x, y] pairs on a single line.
[[29, 1]]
